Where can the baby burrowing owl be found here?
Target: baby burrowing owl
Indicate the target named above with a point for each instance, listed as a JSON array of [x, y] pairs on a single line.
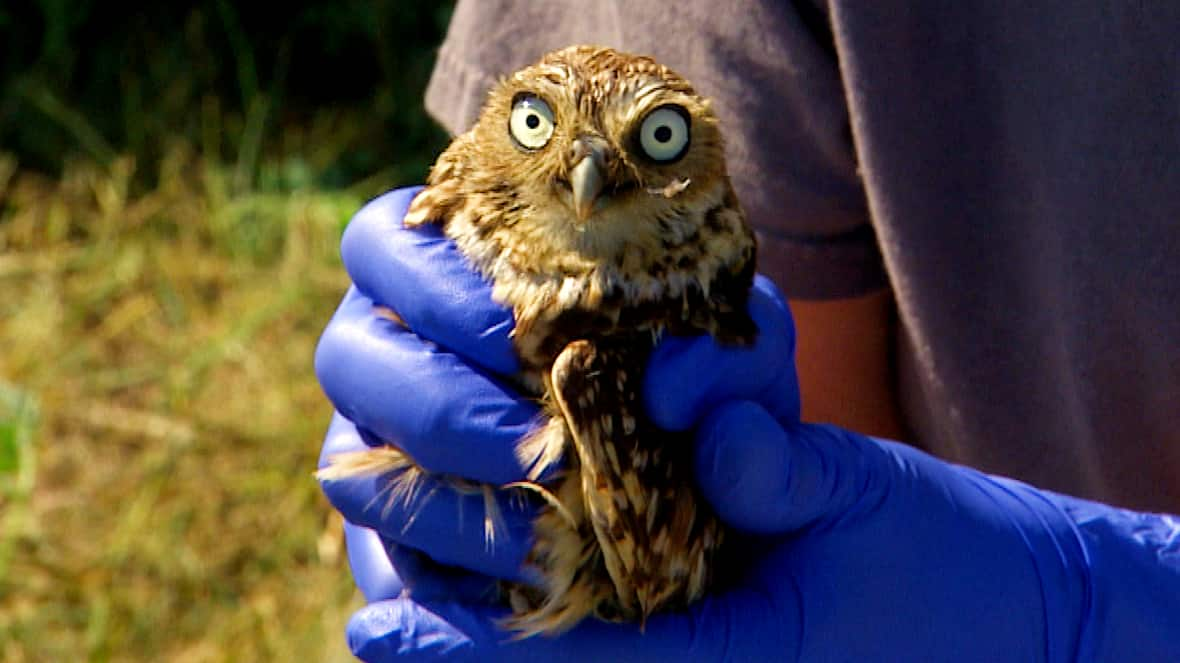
[[592, 192]]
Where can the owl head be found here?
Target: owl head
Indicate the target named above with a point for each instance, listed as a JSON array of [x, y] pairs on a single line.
[[595, 149]]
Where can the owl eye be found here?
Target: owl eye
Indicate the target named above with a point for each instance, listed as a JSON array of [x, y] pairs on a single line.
[[531, 123], [663, 135]]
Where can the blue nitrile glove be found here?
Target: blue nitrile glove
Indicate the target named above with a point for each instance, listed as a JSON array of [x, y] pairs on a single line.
[[852, 548]]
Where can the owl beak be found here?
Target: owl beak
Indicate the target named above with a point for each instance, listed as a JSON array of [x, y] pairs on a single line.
[[586, 180]]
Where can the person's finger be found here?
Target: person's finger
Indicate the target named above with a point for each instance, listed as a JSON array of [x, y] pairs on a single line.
[[427, 580], [687, 376], [738, 626], [765, 478], [449, 417], [487, 531], [400, 629], [421, 275], [375, 576]]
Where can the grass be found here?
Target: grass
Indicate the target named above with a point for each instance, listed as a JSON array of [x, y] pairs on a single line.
[[159, 418], [161, 294]]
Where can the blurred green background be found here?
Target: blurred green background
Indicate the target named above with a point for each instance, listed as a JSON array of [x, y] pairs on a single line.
[[174, 178]]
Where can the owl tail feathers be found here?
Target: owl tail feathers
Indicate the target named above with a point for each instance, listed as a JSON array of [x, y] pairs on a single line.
[[406, 481], [558, 612], [368, 462], [405, 476], [541, 452]]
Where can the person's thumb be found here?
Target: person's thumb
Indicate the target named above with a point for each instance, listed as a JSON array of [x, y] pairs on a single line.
[[762, 477]]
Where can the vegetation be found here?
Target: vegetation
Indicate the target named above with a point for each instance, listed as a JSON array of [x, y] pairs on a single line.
[[173, 183]]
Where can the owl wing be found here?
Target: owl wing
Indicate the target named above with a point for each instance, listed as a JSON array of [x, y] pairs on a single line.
[[636, 480], [444, 193]]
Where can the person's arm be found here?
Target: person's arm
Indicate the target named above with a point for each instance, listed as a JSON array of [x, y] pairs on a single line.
[[845, 360]]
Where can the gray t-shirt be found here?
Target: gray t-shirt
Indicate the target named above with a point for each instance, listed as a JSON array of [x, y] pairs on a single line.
[[1011, 170]]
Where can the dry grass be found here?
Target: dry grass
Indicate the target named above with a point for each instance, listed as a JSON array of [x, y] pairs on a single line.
[[159, 418]]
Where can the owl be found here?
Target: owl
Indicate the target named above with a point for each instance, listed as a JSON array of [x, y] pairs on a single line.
[[592, 193]]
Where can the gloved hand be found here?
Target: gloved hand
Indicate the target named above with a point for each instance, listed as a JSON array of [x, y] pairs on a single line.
[[850, 548]]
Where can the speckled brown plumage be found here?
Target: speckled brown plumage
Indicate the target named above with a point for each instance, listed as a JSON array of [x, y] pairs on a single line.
[[601, 237]]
